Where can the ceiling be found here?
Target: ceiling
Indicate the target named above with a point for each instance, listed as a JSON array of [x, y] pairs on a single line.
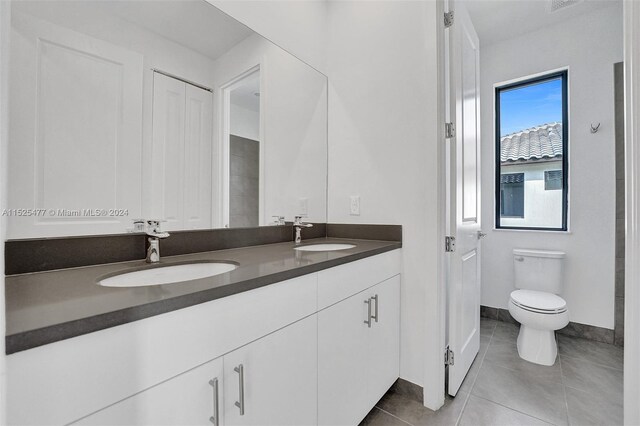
[[497, 20], [245, 94], [194, 24]]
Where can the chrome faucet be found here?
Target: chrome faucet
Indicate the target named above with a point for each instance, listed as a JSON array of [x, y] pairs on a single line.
[[298, 225], [152, 229]]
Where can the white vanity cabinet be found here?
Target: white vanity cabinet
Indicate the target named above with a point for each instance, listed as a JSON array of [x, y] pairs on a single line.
[[192, 398], [279, 379], [358, 353], [272, 381], [301, 363]]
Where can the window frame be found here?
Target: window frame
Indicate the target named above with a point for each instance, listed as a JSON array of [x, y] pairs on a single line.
[[564, 76]]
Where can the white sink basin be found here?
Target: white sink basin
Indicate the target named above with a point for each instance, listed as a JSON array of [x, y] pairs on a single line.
[[325, 247], [168, 274]]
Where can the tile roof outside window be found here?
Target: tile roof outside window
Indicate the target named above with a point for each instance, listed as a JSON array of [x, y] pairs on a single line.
[[537, 143]]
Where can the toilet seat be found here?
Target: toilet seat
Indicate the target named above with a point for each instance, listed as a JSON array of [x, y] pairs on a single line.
[[538, 301]]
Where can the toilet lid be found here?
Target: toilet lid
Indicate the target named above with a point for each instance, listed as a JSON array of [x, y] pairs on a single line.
[[539, 301]]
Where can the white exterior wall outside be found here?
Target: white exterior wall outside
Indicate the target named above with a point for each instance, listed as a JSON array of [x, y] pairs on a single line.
[[542, 208]]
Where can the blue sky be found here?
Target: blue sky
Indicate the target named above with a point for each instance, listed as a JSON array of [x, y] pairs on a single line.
[[530, 106]]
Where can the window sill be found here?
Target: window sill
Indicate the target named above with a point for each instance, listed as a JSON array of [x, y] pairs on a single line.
[[538, 231]]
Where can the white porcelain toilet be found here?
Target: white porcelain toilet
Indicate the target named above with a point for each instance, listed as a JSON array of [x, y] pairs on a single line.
[[536, 304]]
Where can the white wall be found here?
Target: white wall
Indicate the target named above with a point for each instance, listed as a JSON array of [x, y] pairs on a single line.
[[293, 99], [382, 146], [245, 122], [589, 45], [5, 19], [299, 26]]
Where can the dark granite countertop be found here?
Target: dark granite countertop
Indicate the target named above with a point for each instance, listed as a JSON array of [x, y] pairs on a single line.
[[46, 307]]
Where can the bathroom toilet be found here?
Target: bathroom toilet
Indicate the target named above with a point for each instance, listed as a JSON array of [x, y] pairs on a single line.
[[535, 303]]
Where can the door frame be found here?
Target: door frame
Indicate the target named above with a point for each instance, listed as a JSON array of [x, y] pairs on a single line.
[[225, 132], [631, 373], [434, 379]]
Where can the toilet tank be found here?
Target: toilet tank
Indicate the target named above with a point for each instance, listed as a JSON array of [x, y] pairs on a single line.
[[539, 270]]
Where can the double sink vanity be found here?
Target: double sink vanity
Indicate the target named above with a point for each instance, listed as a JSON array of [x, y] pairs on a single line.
[[283, 334]]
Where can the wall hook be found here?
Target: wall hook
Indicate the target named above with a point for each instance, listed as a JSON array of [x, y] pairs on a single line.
[[595, 129]]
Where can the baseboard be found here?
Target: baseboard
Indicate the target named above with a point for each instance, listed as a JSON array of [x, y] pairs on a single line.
[[574, 329]]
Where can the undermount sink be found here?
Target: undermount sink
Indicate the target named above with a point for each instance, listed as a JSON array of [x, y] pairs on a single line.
[[168, 274], [325, 247]]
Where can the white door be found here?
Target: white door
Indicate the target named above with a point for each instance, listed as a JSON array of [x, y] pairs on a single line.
[[192, 398], [198, 139], [464, 196], [274, 380], [181, 154], [167, 164]]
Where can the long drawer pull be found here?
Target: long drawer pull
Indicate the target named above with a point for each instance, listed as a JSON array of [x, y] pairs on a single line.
[[240, 404], [375, 315], [368, 320], [215, 419]]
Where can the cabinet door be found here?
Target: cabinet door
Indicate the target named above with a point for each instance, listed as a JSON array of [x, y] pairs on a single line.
[[342, 362], [384, 338], [192, 398], [278, 384]]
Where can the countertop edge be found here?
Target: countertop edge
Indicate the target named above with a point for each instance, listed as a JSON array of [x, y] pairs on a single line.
[[30, 339]]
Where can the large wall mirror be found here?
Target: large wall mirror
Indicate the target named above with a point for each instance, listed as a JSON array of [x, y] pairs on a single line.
[[165, 110]]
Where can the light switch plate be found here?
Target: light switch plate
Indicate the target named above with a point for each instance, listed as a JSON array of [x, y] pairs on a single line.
[[303, 206], [355, 205]]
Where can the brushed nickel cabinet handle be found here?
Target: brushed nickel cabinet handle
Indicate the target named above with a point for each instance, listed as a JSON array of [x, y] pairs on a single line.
[[368, 320], [215, 419], [375, 315], [240, 404]]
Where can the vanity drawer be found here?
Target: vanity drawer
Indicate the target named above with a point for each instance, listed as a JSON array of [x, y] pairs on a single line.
[[61, 382], [344, 281]]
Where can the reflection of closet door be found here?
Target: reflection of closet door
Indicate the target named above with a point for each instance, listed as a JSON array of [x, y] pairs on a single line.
[[167, 168], [198, 140], [181, 154], [75, 132]]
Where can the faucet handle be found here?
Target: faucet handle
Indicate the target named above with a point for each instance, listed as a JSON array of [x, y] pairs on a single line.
[[138, 226]]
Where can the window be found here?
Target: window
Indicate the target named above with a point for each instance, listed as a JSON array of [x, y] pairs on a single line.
[[531, 153], [512, 195], [552, 180]]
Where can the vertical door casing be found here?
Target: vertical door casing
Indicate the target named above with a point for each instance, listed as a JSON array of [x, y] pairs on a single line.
[[187, 399], [280, 378], [181, 154], [464, 205]]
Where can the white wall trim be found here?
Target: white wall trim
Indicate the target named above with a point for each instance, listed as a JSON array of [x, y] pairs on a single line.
[[632, 209], [434, 380]]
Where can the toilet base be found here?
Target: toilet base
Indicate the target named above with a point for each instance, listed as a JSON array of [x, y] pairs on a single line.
[[537, 346]]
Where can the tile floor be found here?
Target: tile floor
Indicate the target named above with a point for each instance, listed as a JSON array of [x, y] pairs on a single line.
[[584, 387]]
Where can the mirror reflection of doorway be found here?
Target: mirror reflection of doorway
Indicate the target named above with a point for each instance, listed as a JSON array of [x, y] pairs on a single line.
[[244, 152]]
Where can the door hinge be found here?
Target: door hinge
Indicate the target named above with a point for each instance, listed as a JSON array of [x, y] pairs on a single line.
[[448, 19], [449, 130], [448, 356], [449, 244]]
